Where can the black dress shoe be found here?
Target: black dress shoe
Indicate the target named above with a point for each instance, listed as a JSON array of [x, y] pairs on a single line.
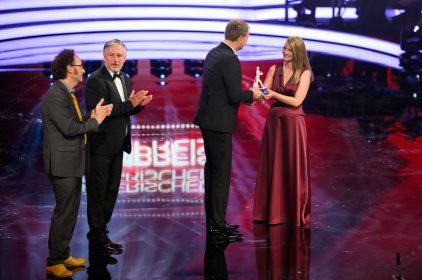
[[104, 249], [224, 240], [115, 245], [222, 235], [232, 227]]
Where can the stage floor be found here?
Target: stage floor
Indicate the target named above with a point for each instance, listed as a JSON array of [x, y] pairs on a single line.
[[366, 174]]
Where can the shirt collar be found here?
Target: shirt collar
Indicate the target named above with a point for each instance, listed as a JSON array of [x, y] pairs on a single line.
[[111, 72], [229, 46], [69, 89]]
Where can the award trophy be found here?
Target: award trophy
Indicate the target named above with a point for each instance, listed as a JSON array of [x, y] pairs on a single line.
[[257, 83]]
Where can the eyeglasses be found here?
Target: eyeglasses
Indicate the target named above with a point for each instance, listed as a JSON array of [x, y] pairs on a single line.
[[79, 65]]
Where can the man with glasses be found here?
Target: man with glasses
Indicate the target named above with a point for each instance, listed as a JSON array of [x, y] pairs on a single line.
[[64, 150], [107, 146]]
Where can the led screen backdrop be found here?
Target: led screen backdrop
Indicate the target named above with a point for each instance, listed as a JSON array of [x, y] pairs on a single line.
[[34, 31]]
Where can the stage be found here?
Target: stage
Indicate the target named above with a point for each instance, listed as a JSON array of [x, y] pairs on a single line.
[[366, 174]]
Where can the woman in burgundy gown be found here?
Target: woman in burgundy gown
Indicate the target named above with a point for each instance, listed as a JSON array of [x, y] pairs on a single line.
[[282, 192]]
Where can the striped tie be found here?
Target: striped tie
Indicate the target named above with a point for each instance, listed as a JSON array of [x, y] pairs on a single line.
[[75, 102]]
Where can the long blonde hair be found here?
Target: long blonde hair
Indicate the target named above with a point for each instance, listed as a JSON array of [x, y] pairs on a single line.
[[300, 57]]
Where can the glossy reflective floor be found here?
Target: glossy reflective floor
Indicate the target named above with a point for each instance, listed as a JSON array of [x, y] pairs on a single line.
[[366, 171]]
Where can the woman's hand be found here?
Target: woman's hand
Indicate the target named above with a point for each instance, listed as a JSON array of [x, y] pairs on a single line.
[[271, 94]]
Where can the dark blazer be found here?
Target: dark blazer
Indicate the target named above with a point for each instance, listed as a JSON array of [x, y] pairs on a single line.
[[110, 138], [221, 92], [63, 142]]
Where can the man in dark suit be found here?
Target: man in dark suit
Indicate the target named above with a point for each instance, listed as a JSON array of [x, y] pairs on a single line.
[[216, 116], [108, 144], [64, 149]]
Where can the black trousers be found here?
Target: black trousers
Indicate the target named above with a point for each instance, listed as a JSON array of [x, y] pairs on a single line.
[[67, 192], [218, 151], [102, 188]]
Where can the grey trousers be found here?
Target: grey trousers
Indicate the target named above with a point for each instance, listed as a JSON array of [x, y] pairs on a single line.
[[67, 192]]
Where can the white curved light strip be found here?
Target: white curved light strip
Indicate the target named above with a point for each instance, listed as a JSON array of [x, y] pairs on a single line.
[[149, 38], [96, 48], [21, 4], [195, 46], [100, 38], [100, 13], [328, 36], [355, 53], [205, 26]]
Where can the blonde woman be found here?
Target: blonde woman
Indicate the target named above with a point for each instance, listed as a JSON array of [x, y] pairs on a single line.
[[282, 186]]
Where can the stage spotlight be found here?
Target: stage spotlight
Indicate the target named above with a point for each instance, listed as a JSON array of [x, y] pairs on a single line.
[[410, 38], [411, 80], [47, 70], [371, 14], [130, 68], [194, 67], [411, 60], [411, 14], [161, 68], [305, 11], [90, 66]]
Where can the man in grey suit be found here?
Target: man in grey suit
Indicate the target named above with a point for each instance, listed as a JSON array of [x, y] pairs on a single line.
[[65, 155], [216, 115]]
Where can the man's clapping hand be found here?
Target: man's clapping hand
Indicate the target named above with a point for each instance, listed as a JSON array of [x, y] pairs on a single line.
[[140, 98], [146, 100], [101, 112]]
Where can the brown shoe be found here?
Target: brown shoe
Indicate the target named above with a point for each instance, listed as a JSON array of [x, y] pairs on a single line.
[[71, 261], [59, 271]]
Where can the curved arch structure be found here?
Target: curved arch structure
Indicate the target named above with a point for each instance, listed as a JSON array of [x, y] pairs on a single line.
[[34, 31]]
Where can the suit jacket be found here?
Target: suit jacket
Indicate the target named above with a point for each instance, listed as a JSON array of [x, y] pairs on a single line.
[[111, 137], [63, 141], [221, 92]]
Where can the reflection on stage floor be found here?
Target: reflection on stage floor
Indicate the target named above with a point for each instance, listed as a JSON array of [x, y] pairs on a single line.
[[366, 172]]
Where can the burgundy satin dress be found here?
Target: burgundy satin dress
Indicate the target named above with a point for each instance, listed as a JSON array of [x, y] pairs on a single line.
[[282, 193]]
